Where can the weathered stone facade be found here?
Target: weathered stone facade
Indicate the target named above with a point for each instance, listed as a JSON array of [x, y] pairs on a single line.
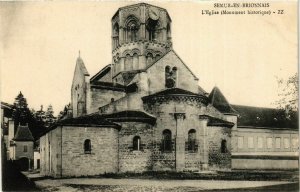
[[143, 112]]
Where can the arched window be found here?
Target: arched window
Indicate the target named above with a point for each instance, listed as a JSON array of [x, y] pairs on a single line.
[[116, 35], [223, 146], [149, 58], [87, 146], [169, 31], [135, 61], [128, 62], [192, 147], [170, 77], [152, 29], [136, 143], [132, 30], [167, 140]]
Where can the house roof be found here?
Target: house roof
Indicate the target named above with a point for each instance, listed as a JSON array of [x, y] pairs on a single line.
[[261, 117], [129, 116], [23, 134], [218, 100], [216, 122]]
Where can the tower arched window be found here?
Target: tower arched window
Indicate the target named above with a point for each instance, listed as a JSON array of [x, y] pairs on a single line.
[[132, 28], [149, 58], [223, 146], [167, 140], [169, 31], [135, 61], [192, 145], [152, 29], [128, 62], [116, 35], [170, 77], [87, 146], [137, 143]]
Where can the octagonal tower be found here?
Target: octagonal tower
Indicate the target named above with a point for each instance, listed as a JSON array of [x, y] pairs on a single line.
[[141, 34]]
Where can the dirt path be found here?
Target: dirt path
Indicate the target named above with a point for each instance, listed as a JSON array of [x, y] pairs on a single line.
[[103, 184]]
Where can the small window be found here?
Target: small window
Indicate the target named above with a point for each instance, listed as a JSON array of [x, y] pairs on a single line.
[[295, 143], [192, 140], [269, 143], [250, 142], [223, 146], [87, 146], [167, 140], [136, 143], [260, 142], [25, 148], [286, 143], [240, 142], [278, 142]]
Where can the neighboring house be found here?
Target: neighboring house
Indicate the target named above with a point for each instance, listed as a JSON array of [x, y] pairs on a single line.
[[146, 112], [21, 147]]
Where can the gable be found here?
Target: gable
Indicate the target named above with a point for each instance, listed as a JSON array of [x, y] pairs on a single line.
[[185, 78], [103, 75]]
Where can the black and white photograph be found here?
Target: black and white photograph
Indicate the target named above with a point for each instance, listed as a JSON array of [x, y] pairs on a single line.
[[154, 96]]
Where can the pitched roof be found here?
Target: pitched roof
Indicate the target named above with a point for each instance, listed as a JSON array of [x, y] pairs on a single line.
[[201, 91], [218, 100], [23, 134], [129, 116], [82, 66], [216, 122], [265, 117], [108, 85], [101, 73], [178, 58]]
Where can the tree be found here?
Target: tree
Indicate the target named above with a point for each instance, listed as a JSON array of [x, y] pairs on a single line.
[[49, 116], [21, 113], [23, 116], [288, 93]]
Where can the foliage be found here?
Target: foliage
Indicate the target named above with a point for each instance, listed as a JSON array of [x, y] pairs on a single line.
[[288, 93]]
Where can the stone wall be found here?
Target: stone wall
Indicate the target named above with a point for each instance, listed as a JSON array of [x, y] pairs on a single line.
[[19, 150], [104, 151], [135, 160], [101, 97], [217, 158], [156, 74], [50, 153]]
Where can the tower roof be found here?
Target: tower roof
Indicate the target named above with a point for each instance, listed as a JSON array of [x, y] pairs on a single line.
[[218, 100], [23, 134], [82, 66]]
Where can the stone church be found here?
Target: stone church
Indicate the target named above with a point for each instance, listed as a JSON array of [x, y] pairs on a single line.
[[146, 112]]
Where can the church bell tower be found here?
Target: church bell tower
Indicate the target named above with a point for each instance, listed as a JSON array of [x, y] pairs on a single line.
[[141, 34]]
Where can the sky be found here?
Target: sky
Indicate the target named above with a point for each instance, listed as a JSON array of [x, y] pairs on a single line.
[[240, 54]]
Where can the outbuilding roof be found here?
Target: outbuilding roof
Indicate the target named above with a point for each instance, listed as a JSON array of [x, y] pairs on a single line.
[[23, 134], [265, 117]]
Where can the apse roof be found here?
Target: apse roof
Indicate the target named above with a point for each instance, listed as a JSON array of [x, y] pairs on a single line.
[[23, 134], [130, 115], [218, 100]]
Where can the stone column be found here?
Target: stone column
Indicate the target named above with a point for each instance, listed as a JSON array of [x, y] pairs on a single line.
[[180, 141], [204, 147], [121, 35]]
